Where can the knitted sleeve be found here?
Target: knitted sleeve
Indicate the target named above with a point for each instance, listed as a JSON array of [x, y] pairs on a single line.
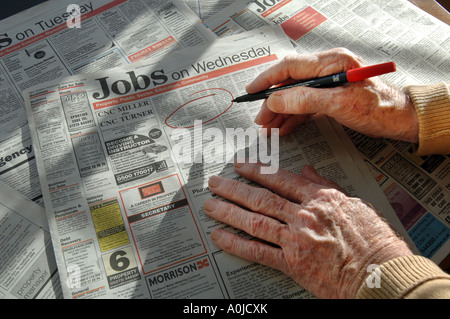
[[409, 277], [432, 105], [416, 276]]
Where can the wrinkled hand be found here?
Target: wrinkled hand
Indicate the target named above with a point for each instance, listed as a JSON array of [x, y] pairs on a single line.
[[324, 239], [370, 106]]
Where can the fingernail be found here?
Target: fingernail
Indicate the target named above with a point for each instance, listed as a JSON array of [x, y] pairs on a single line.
[[243, 165], [216, 235], [210, 205], [214, 181]]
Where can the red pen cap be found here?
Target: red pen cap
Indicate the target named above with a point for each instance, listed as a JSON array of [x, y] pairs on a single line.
[[369, 71]]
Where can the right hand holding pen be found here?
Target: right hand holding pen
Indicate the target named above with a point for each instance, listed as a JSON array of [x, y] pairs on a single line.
[[370, 107]]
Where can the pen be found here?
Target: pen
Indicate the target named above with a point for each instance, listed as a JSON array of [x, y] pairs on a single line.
[[333, 80]]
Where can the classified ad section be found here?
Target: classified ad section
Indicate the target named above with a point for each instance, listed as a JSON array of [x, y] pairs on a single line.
[[377, 31], [46, 42], [124, 157], [28, 267], [120, 155], [161, 219]]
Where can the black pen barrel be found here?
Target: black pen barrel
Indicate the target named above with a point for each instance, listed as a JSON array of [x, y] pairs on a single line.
[[323, 82]]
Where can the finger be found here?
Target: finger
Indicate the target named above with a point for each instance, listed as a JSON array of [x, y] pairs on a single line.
[[250, 250], [286, 184], [310, 173], [287, 70], [274, 75], [277, 121], [303, 100], [252, 223], [257, 199], [291, 123], [286, 124], [264, 115]]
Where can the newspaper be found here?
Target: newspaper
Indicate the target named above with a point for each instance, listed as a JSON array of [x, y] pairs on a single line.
[[207, 8], [27, 266], [417, 187], [38, 45], [124, 157], [46, 41]]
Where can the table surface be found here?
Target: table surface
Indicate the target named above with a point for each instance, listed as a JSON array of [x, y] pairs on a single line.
[[434, 8]]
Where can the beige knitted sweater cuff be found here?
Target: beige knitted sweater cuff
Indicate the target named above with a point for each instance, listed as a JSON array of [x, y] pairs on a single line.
[[407, 277], [432, 105]]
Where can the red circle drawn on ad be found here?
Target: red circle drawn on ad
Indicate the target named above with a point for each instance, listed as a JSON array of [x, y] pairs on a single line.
[[199, 98]]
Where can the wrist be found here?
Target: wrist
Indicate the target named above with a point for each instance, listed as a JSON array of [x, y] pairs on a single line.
[[402, 277], [431, 104], [385, 250], [412, 131]]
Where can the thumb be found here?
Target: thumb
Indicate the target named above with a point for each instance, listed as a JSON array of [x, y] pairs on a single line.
[[301, 100]]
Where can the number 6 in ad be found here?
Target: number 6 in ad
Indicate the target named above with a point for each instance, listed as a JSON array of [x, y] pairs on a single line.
[[120, 267]]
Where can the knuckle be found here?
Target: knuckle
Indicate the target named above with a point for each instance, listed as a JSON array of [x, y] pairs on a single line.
[[260, 199], [290, 58], [284, 178], [300, 98], [286, 63], [349, 58], [231, 187], [279, 204], [257, 224], [329, 194], [233, 245], [265, 200], [260, 254], [352, 58], [343, 51]]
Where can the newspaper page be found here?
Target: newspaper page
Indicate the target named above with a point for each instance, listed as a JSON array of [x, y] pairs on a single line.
[[418, 188], [60, 38], [124, 157], [27, 266], [207, 8]]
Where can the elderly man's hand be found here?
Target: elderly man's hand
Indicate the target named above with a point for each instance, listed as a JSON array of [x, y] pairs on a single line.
[[320, 237], [370, 106]]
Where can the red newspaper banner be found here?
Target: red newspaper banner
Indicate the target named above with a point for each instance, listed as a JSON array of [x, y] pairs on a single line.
[[152, 48], [302, 23]]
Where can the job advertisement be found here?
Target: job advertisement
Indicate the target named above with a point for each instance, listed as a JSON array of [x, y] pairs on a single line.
[[60, 38]]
